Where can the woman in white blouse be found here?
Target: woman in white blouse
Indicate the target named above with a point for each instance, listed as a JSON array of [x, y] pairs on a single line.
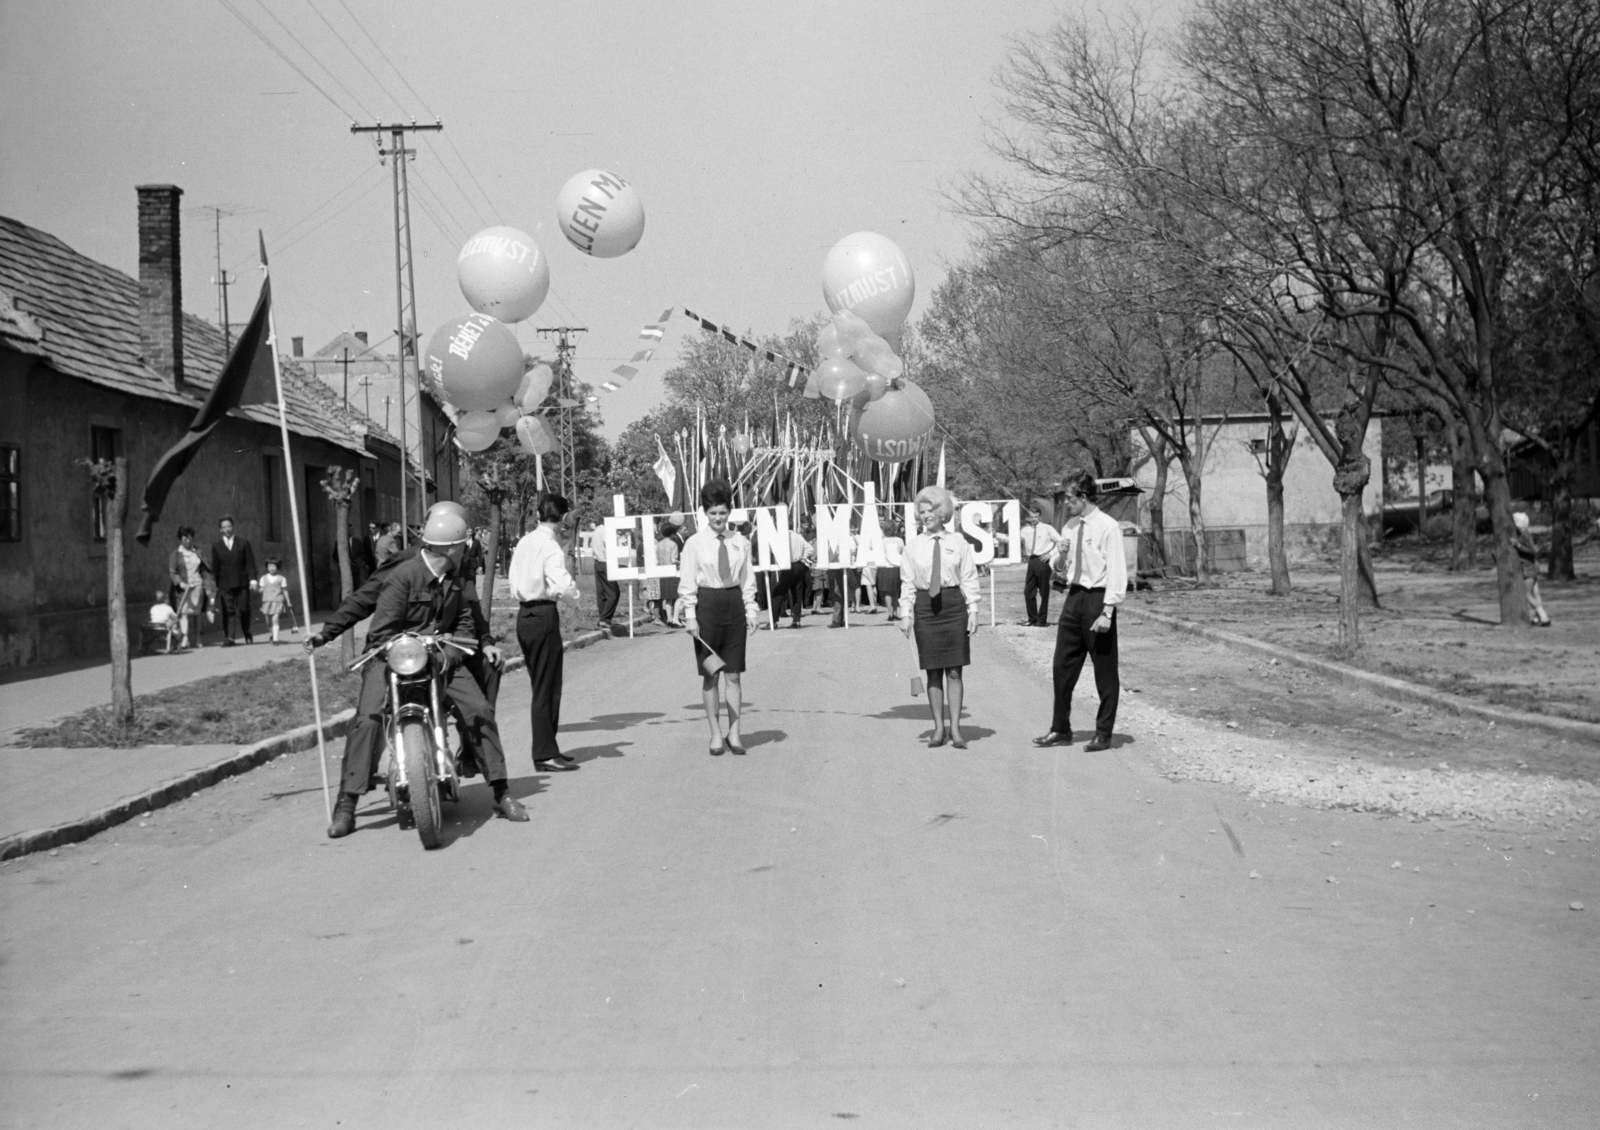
[[939, 601], [717, 585]]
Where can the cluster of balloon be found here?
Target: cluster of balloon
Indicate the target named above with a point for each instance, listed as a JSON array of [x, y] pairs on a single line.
[[869, 288], [600, 214], [536, 436], [503, 274]]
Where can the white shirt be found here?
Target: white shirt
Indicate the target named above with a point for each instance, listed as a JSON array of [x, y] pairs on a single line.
[[956, 568], [698, 568], [539, 568], [1039, 539], [1104, 564]]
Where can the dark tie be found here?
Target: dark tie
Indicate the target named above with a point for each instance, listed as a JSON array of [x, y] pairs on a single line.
[[1077, 555], [724, 568], [935, 571]]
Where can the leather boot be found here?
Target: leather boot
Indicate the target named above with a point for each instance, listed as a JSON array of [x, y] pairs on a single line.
[[344, 817]]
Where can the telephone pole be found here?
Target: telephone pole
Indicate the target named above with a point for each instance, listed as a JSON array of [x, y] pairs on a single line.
[[221, 279], [405, 297], [566, 404]]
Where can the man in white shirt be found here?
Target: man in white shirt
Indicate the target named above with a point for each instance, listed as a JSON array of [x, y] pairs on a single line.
[[538, 578], [1039, 540], [1090, 560]]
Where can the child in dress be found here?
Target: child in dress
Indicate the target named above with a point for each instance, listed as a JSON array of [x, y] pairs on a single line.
[[164, 619], [274, 588]]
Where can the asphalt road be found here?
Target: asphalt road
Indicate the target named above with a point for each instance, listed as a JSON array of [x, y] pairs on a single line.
[[841, 926]]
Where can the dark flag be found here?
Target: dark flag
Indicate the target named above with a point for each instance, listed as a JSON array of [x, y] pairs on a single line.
[[247, 378]]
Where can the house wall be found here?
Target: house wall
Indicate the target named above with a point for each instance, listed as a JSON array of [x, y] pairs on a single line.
[[53, 582], [1234, 490]]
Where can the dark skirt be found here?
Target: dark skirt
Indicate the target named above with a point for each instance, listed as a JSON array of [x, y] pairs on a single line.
[[720, 613], [889, 584], [941, 630], [669, 589]]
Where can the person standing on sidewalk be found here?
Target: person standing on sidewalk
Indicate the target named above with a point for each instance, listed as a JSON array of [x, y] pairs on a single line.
[[606, 591], [192, 584], [233, 564], [939, 604], [718, 587], [1091, 561], [1039, 541], [539, 578]]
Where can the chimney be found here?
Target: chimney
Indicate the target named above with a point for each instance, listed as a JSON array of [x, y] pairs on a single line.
[[361, 336], [298, 345], [161, 281]]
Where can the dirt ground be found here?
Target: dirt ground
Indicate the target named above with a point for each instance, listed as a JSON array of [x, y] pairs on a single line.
[[1435, 627]]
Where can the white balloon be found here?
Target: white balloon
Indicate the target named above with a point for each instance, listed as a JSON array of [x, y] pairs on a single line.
[[600, 214], [507, 415], [535, 387], [503, 274], [866, 273], [535, 435], [477, 431]]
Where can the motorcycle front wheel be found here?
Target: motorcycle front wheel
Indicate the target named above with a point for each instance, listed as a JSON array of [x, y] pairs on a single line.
[[422, 781]]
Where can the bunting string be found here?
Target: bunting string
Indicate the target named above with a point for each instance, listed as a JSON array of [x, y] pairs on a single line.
[[656, 331]]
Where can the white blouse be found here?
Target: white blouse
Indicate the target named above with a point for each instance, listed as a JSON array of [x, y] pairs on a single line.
[[539, 568], [956, 567], [698, 568]]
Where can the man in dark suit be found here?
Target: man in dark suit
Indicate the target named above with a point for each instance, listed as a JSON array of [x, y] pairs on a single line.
[[233, 564]]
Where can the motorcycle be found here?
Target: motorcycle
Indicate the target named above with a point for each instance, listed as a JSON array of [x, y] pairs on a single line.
[[423, 769]]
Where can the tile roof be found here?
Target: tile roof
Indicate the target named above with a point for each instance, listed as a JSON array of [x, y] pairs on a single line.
[[83, 318]]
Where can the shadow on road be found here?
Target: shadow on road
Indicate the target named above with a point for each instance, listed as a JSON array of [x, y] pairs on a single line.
[[613, 721], [765, 737], [590, 752]]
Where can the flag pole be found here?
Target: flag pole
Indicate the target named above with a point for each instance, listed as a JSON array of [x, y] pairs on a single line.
[[294, 525]]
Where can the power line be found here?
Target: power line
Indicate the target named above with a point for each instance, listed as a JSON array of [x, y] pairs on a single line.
[[273, 47], [262, 4], [336, 34], [470, 202]]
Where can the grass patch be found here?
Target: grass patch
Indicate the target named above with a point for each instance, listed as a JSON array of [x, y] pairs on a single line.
[[233, 709]]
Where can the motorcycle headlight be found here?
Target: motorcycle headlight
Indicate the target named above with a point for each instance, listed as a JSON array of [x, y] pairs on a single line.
[[407, 655]]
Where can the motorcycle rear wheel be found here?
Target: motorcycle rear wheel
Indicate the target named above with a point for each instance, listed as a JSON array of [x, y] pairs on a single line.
[[422, 781]]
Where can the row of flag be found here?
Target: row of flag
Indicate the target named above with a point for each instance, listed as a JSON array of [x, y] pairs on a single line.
[[655, 331]]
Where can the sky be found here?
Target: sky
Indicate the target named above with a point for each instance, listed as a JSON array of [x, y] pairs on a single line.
[[757, 135]]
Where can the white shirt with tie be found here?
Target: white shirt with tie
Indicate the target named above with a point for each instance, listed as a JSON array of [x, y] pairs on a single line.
[[539, 568], [1103, 564], [699, 567], [1039, 540], [957, 569]]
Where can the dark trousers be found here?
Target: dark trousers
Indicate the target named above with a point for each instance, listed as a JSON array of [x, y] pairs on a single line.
[[235, 606], [539, 634], [1074, 641], [1036, 590], [789, 591], [363, 744], [606, 591]]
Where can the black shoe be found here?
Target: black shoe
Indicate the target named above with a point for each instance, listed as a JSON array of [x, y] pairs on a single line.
[[731, 748], [558, 764], [227, 643], [1054, 737], [937, 741], [1097, 743], [509, 807], [249, 639], [344, 817]]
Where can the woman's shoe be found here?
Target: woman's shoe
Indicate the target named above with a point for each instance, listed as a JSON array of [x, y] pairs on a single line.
[[717, 750], [728, 745], [958, 743], [936, 741]]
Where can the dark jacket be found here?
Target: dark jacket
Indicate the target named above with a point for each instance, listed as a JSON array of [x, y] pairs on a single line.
[[233, 568], [413, 598], [364, 601]]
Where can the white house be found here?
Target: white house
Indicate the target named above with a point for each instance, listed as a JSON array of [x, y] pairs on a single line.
[[1233, 497]]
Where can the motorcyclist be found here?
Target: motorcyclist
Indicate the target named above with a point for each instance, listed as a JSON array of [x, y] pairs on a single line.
[[424, 593]]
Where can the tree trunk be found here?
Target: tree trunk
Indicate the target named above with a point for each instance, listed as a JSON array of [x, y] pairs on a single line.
[[117, 600], [1350, 536], [1280, 446], [341, 524], [1160, 460], [1463, 505], [1422, 485], [1561, 567], [491, 555], [1507, 566], [1197, 522]]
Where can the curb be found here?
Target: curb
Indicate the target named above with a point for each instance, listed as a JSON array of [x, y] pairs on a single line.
[[1385, 685], [169, 792], [245, 759]]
